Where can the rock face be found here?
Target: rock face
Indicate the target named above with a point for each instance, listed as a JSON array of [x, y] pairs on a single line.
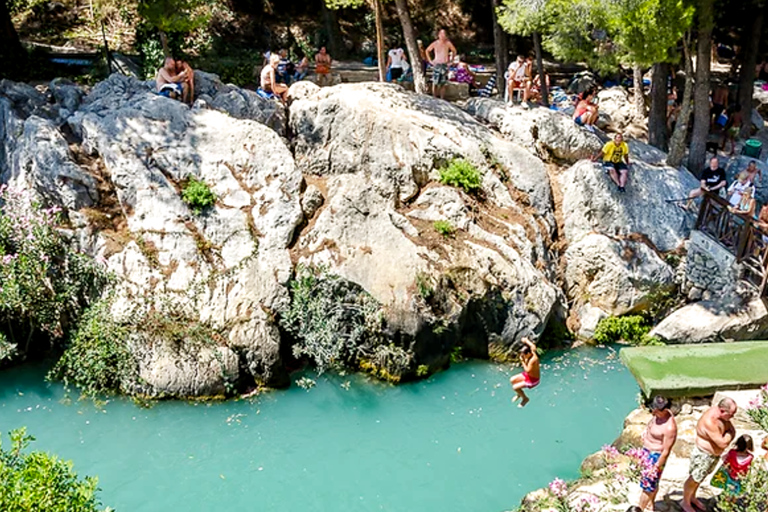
[[613, 261], [615, 275], [377, 149], [713, 321], [542, 131], [591, 203]]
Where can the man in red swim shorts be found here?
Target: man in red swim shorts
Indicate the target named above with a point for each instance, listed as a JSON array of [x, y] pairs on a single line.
[[531, 375]]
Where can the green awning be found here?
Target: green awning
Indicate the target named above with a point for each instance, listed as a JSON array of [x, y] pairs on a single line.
[[698, 370]]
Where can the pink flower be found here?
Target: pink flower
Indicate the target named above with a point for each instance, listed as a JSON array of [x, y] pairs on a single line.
[[610, 450], [559, 488], [8, 258]]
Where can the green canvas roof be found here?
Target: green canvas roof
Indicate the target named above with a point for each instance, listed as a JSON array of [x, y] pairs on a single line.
[[698, 370]]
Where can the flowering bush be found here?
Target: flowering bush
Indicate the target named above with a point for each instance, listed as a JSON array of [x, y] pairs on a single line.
[[44, 281], [642, 467], [758, 408], [753, 495]]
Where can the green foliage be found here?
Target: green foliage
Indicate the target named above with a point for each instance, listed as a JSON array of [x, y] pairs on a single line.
[[758, 409], [172, 16], [632, 329], [38, 481], [602, 33], [456, 355], [7, 350], [752, 497], [198, 195], [424, 286], [462, 174], [422, 370], [97, 359], [335, 322], [445, 228], [44, 282]]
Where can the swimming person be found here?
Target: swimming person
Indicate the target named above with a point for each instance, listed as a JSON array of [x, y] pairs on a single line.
[[531, 375]]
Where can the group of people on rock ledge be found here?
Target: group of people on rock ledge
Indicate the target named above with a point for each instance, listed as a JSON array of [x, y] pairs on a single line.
[[715, 433]]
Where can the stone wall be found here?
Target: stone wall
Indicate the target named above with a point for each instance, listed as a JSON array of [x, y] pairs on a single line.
[[710, 270]]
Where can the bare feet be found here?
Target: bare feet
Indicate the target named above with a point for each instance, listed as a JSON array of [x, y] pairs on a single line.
[[524, 402], [698, 504], [687, 508]]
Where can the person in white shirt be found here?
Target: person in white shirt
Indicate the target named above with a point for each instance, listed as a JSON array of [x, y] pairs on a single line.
[[396, 63]]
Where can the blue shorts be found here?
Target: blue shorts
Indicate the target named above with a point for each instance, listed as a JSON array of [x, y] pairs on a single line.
[[169, 89], [649, 481]]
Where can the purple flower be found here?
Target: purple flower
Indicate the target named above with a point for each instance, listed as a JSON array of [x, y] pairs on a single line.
[[559, 488]]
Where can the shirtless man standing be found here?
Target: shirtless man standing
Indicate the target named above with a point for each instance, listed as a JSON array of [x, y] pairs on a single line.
[[443, 51], [714, 432], [659, 437]]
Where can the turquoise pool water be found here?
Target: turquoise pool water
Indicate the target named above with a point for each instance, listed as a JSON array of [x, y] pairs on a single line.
[[452, 443]]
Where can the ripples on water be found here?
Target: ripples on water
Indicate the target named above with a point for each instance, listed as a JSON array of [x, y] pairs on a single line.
[[451, 443]]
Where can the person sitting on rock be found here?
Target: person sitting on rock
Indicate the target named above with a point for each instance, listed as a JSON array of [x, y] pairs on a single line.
[[615, 155], [268, 84], [754, 174], [169, 82], [531, 376], [712, 180], [188, 83], [323, 67], [586, 113], [535, 88], [464, 74], [285, 68], [302, 69]]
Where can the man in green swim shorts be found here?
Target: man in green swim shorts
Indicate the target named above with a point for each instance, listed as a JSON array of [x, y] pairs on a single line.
[[714, 432], [442, 51]]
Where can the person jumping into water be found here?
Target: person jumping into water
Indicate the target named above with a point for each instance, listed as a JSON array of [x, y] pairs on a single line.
[[531, 375]]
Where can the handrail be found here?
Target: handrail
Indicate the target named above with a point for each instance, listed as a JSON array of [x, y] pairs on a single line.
[[738, 234]]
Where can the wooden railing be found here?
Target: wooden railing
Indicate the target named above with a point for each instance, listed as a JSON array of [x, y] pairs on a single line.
[[740, 235]]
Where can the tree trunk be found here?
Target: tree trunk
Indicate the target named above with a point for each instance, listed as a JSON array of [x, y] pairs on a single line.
[[500, 46], [164, 43], [540, 67], [331, 22], [419, 80], [677, 143], [751, 46], [639, 93], [380, 41], [657, 117], [701, 117], [12, 54]]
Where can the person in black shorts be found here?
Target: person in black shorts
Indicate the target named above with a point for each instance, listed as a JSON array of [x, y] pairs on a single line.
[[712, 180], [615, 155]]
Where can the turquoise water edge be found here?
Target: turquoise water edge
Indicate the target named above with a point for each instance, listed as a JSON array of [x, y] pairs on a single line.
[[451, 443]]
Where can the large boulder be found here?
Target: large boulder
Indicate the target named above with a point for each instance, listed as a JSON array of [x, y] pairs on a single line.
[[617, 275], [592, 203], [226, 267], [544, 132], [35, 156], [613, 264], [375, 149], [717, 320]]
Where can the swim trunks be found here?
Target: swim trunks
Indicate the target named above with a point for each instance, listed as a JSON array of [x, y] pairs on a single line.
[[649, 481], [440, 74], [702, 464], [168, 89], [530, 382]]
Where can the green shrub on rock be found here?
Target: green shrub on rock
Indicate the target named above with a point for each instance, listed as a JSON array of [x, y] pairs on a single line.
[[461, 173], [44, 281], [97, 359], [39, 481], [198, 195], [445, 228], [632, 329], [335, 322]]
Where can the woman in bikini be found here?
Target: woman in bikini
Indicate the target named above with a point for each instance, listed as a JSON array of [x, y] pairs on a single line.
[[531, 375]]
